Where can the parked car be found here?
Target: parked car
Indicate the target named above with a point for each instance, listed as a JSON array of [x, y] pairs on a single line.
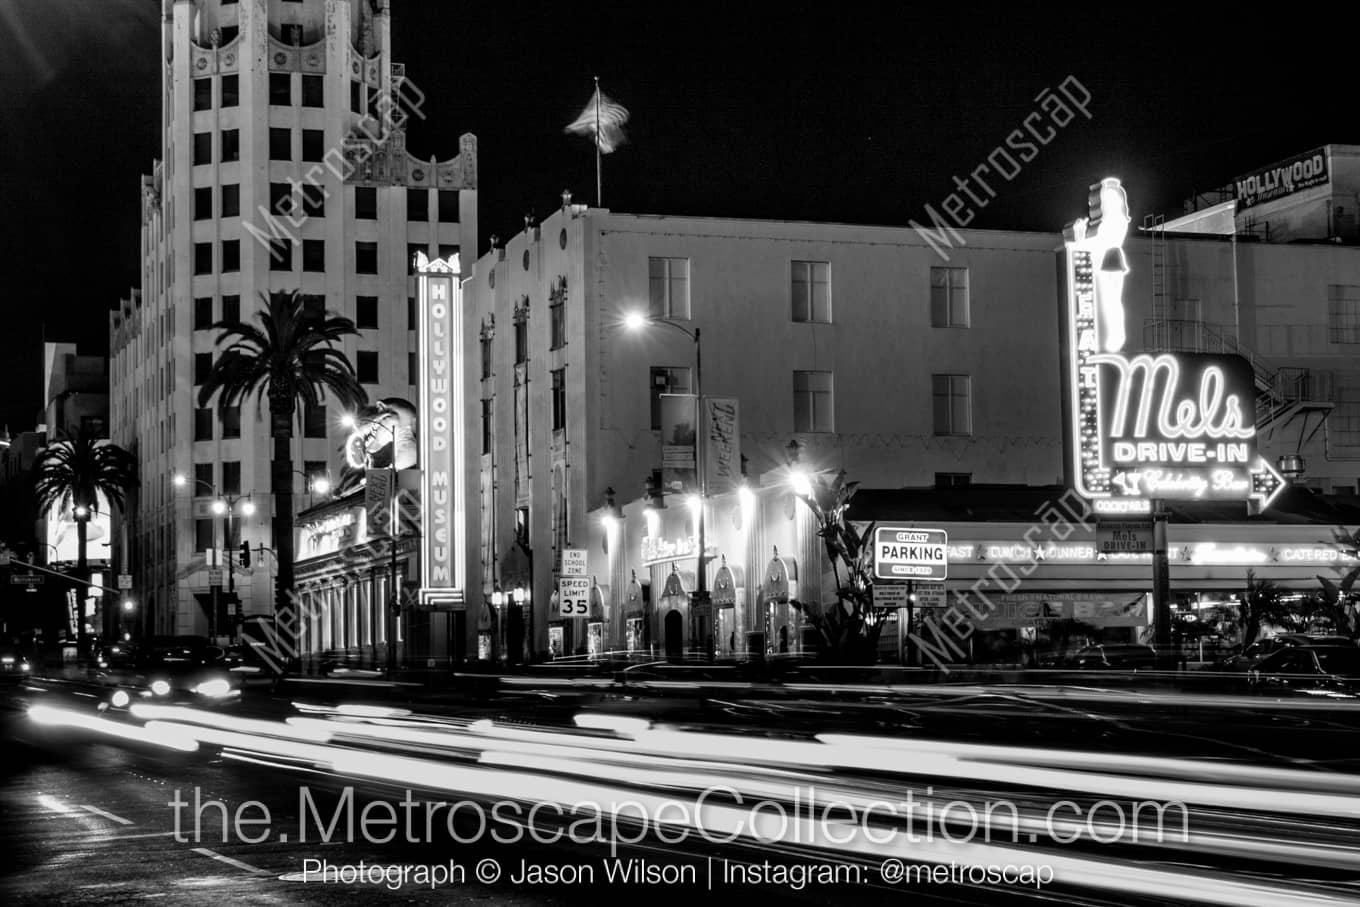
[[1111, 657], [1253, 654], [1309, 670]]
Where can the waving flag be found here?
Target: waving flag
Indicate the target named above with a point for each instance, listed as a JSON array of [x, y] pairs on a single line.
[[603, 119]]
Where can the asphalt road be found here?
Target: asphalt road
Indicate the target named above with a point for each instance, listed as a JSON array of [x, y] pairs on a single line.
[[87, 820]]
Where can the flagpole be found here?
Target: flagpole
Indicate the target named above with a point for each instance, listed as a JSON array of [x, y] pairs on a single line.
[[598, 202]]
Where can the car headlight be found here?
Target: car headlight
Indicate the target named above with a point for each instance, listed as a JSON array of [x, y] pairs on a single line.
[[24, 666], [7, 659], [215, 688], [160, 687], [120, 699]]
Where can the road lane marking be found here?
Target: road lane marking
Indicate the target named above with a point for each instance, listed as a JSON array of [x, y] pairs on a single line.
[[149, 834], [107, 815], [229, 861]]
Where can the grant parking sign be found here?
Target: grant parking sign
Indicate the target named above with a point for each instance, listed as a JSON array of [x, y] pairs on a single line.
[[909, 553]]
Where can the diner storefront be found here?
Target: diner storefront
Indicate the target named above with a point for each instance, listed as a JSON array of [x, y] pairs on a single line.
[[1026, 558]]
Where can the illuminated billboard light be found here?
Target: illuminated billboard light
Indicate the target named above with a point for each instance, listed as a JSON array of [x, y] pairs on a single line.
[[1179, 426], [442, 517], [63, 534]]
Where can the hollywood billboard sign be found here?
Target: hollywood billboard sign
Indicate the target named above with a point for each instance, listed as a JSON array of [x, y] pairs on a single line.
[[443, 577], [1177, 426]]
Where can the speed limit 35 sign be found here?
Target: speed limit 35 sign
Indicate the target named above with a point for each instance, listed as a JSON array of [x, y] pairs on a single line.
[[573, 596]]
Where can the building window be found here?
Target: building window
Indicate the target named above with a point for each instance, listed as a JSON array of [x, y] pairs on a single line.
[[314, 421], [313, 305], [486, 427], [313, 91], [412, 368], [229, 33], [203, 424], [1343, 313], [448, 250], [418, 205], [559, 399], [203, 313], [366, 202], [557, 316], [667, 381], [668, 280], [203, 479], [231, 200], [280, 255], [366, 258], [231, 421], [448, 206], [203, 147], [486, 355], [813, 402], [281, 198], [231, 145], [231, 255], [204, 537], [366, 312], [953, 479], [411, 250], [521, 338], [202, 258], [949, 297], [231, 307], [202, 367], [411, 322], [812, 291], [313, 144], [313, 200], [366, 367], [356, 97], [203, 203], [280, 144], [314, 255], [203, 93], [314, 469], [231, 90], [281, 89], [231, 477], [953, 397]]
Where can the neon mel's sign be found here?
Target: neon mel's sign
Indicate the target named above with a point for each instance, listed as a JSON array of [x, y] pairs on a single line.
[[442, 576], [1149, 425]]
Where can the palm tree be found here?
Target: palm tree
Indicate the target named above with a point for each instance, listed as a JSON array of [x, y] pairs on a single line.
[[76, 476], [849, 629], [290, 358], [1337, 601], [1266, 604]]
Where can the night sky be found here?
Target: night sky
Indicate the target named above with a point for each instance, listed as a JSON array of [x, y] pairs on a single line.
[[801, 111]]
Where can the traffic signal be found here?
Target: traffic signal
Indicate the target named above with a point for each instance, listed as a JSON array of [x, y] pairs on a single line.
[[245, 554]]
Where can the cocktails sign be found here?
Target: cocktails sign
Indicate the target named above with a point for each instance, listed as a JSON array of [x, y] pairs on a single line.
[[1150, 425], [442, 518]]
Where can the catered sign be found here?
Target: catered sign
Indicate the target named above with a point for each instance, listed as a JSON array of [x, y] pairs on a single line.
[[573, 562], [573, 596], [1152, 424], [905, 552]]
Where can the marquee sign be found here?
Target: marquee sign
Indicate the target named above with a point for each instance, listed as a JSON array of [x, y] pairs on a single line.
[[1149, 425], [442, 518]]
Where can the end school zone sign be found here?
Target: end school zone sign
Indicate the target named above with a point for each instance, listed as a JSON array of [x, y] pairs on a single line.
[[907, 553]]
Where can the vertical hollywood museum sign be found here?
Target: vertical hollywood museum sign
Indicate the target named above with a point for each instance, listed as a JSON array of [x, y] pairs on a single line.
[[442, 517], [1179, 426]]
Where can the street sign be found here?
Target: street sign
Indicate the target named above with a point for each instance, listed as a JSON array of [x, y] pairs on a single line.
[[573, 562], [125, 581], [930, 596], [890, 595], [905, 552], [27, 579], [4, 558], [1124, 536], [214, 576], [573, 596]]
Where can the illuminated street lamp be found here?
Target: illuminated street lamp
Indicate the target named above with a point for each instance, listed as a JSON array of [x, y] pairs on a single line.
[[636, 321], [226, 506]]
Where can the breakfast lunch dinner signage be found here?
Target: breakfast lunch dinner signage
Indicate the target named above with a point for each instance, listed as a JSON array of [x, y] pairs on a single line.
[[1174, 426]]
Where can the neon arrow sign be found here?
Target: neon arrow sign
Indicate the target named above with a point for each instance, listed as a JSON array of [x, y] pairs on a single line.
[[1149, 425]]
